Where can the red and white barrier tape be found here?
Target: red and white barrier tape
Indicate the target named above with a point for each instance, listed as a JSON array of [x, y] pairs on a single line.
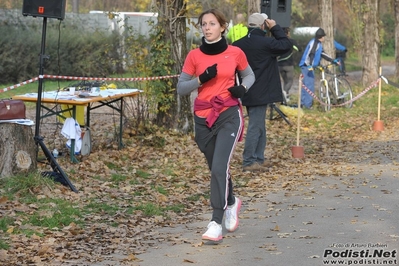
[[84, 78], [374, 84], [19, 85], [108, 79]]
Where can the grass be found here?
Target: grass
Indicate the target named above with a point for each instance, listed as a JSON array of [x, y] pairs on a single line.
[[142, 174], [49, 85], [111, 165], [41, 211], [101, 208], [5, 222], [148, 209], [194, 197], [353, 64], [49, 212], [178, 208], [4, 245], [22, 185], [117, 178], [161, 190], [55, 213]]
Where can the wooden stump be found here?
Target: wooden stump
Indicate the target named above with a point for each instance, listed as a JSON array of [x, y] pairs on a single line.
[[18, 152]]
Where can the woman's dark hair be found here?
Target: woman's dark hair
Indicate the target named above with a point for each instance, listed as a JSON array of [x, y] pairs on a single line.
[[219, 16]]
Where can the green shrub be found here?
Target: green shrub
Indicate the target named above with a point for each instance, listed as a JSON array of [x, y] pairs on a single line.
[[68, 51]]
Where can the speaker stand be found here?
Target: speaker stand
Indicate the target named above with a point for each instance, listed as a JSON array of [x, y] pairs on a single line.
[[274, 107], [38, 139]]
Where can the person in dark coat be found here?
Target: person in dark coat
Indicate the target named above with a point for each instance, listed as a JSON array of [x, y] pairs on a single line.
[[262, 52], [340, 54], [286, 66]]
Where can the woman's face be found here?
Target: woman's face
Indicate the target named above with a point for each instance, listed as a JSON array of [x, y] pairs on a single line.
[[211, 28]]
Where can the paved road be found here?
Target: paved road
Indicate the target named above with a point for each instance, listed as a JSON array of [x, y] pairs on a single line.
[[320, 221], [387, 70]]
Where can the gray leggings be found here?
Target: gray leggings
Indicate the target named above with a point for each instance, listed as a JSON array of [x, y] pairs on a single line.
[[217, 144], [287, 74]]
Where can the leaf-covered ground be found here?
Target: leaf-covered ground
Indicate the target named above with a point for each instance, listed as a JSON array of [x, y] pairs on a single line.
[[160, 179]]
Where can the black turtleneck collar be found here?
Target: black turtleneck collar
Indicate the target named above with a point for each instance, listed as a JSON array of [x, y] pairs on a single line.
[[213, 48]]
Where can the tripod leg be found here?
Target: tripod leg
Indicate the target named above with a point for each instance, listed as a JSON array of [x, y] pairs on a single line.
[[281, 114], [56, 167], [38, 139], [271, 111]]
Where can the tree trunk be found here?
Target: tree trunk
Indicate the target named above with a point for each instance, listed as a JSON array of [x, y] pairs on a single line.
[[18, 153], [75, 6], [254, 7], [166, 106], [172, 17], [179, 47], [326, 23], [396, 12], [371, 44]]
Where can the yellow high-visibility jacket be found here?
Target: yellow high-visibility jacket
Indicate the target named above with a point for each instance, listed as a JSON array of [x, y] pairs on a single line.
[[237, 32]]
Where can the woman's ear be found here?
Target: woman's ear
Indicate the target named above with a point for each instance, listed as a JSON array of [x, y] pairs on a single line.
[[223, 29]]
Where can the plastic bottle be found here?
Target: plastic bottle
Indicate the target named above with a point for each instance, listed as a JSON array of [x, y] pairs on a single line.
[[55, 153]]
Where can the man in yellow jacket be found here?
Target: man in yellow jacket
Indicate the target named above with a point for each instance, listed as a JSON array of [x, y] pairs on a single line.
[[239, 30]]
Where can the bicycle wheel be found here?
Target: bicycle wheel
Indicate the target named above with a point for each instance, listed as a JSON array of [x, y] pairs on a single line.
[[345, 92], [324, 96], [332, 91]]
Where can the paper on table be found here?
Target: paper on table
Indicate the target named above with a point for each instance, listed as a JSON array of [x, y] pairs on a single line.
[[26, 122]]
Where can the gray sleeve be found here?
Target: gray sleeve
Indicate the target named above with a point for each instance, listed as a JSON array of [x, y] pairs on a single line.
[[247, 76], [186, 84]]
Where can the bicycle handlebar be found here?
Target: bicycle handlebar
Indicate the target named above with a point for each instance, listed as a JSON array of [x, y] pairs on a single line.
[[325, 67]]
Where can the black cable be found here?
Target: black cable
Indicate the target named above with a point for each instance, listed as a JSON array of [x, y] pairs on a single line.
[[58, 107], [58, 52]]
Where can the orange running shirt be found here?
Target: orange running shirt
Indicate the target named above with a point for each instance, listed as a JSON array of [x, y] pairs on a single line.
[[227, 62]]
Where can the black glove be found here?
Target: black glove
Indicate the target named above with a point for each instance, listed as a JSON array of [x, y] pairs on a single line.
[[237, 91], [208, 74]]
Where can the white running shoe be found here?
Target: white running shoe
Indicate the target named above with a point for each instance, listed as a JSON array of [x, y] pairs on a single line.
[[231, 221], [286, 97], [214, 232]]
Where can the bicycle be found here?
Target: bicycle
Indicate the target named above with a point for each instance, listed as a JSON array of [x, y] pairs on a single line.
[[334, 91], [323, 90], [341, 89]]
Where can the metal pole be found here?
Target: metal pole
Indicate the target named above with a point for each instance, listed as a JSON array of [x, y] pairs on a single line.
[[38, 139], [41, 72]]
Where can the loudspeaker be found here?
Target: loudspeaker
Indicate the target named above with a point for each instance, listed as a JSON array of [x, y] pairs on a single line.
[[44, 8], [279, 10]]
